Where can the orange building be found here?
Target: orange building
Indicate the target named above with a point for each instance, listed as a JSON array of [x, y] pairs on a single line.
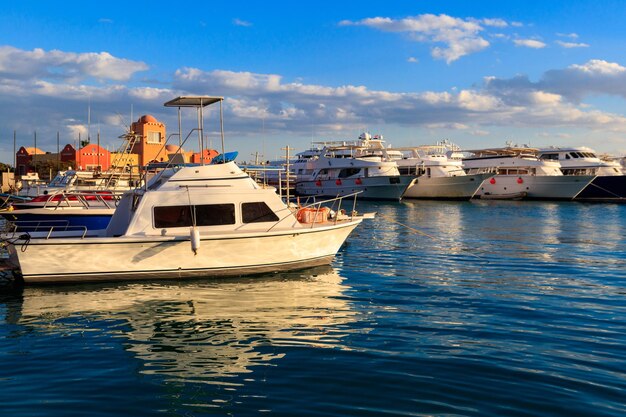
[[149, 145], [93, 158]]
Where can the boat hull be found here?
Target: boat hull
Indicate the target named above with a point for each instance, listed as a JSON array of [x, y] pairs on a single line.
[[541, 187], [370, 188], [107, 259], [605, 189], [446, 188]]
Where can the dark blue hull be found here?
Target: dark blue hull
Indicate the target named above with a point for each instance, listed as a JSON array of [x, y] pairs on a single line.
[[605, 188], [91, 222]]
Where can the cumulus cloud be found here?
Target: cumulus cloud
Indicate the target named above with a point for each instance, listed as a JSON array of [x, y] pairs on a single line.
[[568, 35], [574, 83], [297, 108], [459, 37], [572, 44], [240, 22], [412, 59], [529, 43], [40, 64]]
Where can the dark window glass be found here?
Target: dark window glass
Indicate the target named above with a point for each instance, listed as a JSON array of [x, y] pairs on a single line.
[[215, 214], [206, 215], [257, 213], [348, 172]]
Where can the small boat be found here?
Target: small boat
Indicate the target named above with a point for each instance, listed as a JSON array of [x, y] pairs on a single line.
[[191, 221], [510, 196]]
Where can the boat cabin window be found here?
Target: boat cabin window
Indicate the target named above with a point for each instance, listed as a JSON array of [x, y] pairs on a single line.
[[574, 154], [206, 215], [550, 156], [348, 172], [257, 213]]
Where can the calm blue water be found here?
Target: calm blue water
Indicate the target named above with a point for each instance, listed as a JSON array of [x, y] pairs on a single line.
[[481, 309]]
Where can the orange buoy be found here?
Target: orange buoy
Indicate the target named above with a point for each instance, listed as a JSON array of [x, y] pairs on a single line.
[[492, 181]]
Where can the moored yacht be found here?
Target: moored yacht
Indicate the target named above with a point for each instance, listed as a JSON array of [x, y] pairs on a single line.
[[518, 173], [187, 221], [343, 168], [609, 184], [438, 175]]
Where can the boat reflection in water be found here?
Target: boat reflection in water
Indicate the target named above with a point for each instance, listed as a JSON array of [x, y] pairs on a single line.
[[200, 331]]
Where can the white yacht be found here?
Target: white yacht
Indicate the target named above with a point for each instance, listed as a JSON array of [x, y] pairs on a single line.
[[191, 221], [518, 173], [439, 175], [610, 182], [343, 168]]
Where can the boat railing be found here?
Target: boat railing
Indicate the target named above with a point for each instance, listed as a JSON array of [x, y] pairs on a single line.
[[272, 176], [312, 204], [46, 226], [86, 199]]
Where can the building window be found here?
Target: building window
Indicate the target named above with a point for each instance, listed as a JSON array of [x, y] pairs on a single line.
[[206, 215], [154, 137], [257, 213]]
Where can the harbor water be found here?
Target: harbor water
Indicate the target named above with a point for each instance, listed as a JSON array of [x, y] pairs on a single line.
[[496, 308]]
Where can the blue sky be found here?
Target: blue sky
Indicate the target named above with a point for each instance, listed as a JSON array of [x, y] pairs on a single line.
[[479, 73]]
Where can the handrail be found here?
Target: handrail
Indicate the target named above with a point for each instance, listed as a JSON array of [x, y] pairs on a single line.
[[65, 197], [338, 199], [49, 226]]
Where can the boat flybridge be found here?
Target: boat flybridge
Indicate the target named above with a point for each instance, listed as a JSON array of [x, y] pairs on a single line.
[[518, 173], [192, 220], [609, 185]]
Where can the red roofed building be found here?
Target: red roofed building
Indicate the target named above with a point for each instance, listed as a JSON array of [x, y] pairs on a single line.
[[24, 159]]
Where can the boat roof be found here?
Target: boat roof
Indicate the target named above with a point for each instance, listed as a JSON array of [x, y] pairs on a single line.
[[504, 151], [193, 101]]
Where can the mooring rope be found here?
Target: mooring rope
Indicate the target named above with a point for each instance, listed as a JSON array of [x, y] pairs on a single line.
[[427, 235]]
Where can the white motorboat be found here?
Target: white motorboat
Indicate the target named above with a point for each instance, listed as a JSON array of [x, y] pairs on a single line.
[[519, 172], [191, 221], [609, 184]]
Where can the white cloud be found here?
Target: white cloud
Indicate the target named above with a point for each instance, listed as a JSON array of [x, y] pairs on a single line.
[[572, 44], [600, 67], [460, 37], [568, 35], [296, 108], [37, 64], [529, 43], [412, 60], [498, 23], [240, 22], [105, 20]]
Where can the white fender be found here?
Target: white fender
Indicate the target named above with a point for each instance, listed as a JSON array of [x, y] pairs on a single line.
[[194, 236]]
